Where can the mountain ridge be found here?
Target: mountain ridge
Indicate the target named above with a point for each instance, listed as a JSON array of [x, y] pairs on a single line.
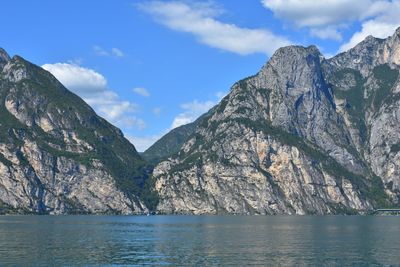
[[57, 155], [299, 115], [304, 135]]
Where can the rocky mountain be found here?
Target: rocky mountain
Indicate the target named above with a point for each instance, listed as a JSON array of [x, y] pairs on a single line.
[[56, 155], [305, 135]]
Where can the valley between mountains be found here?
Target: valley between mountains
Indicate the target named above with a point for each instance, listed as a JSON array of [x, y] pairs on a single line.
[[305, 135]]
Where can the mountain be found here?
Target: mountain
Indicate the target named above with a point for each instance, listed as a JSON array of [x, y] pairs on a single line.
[[305, 135], [171, 142], [56, 155]]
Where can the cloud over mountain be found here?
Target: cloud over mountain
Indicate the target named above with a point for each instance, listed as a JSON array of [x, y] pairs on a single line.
[[201, 20], [93, 88]]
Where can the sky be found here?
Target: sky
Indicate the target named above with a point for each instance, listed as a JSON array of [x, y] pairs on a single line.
[[149, 66]]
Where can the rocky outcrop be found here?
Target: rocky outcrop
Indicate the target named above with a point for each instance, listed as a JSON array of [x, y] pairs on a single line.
[[255, 174], [56, 155], [305, 135], [4, 58]]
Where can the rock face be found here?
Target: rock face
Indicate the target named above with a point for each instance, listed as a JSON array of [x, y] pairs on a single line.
[[56, 155], [306, 135]]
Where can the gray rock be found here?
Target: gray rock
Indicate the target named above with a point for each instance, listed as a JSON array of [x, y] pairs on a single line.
[[305, 135], [4, 58], [56, 155]]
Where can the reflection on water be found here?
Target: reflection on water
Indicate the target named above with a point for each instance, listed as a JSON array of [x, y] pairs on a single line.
[[200, 240]]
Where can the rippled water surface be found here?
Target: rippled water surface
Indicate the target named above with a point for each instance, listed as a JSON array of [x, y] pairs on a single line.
[[200, 240]]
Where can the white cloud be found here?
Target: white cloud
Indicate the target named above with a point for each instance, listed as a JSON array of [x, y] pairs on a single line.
[[99, 51], [191, 111], [326, 19], [87, 80], [327, 33], [157, 111], [75, 61], [327, 55], [130, 121], [93, 88], [380, 26], [141, 91], [220, 95], [311, 13], [117, 52], [372, 27], [200, 20], [194, 109], [142, 143]]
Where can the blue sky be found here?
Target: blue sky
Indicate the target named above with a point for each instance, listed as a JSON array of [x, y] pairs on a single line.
[[148, 66]]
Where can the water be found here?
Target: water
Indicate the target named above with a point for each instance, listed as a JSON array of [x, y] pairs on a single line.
[[200, 240]]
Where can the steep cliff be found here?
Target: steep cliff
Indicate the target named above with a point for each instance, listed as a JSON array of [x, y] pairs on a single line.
[[56, 155], [305, 135]]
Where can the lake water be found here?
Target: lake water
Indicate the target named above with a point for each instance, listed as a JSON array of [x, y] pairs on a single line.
[[200, 240]]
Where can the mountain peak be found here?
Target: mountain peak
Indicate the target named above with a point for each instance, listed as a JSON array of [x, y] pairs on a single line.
[[65, 146], [295, 55], [4, 57], [370, 38], [370, 53], [287, 59], [396, 36], [397, 31], [297, 49]]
